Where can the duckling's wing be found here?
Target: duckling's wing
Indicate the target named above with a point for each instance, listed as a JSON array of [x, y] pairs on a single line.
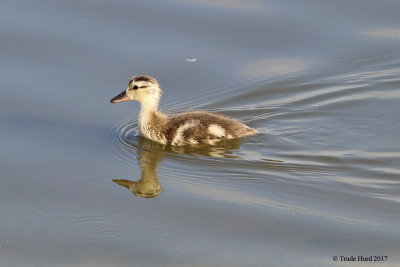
[[199, 127]]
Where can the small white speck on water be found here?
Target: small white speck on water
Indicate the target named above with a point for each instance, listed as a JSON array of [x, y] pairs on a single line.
[[191, 59]]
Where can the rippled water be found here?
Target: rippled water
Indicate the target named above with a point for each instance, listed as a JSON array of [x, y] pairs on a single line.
[[320, 81]]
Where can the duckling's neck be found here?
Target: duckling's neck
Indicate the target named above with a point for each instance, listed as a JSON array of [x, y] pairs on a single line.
[[151, 122]]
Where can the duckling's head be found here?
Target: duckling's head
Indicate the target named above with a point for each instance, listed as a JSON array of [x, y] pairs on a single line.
[[144, 89]]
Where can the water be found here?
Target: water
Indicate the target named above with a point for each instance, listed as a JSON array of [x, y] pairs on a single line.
[[319, 81]]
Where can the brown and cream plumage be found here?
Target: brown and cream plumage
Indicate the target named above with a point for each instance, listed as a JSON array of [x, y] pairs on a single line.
[[193, 127]]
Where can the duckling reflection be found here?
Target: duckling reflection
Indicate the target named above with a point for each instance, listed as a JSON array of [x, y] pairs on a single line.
[[148, 185], [152, 153]]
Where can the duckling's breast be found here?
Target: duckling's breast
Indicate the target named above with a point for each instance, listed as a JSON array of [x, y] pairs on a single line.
[[152, 125]]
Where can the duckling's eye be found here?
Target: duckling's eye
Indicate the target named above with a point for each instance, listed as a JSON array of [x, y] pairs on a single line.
[[135, 87]]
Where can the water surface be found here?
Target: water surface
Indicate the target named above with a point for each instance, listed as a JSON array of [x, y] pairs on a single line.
[[319, 81]]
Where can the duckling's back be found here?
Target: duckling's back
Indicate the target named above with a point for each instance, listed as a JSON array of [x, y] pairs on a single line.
[[200, 127]]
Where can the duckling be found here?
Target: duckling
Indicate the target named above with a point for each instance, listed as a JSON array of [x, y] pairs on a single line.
[[187, 128]]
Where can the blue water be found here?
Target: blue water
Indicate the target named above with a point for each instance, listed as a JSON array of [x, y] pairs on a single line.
[[320, 81]]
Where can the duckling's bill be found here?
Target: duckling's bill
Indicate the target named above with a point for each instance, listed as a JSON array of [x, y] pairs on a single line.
[[120, 98]]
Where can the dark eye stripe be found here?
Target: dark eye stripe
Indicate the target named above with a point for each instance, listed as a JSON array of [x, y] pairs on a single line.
[[144, 86]]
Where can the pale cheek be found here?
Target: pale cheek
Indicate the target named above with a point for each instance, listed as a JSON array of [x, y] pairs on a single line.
[[132, 94]]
